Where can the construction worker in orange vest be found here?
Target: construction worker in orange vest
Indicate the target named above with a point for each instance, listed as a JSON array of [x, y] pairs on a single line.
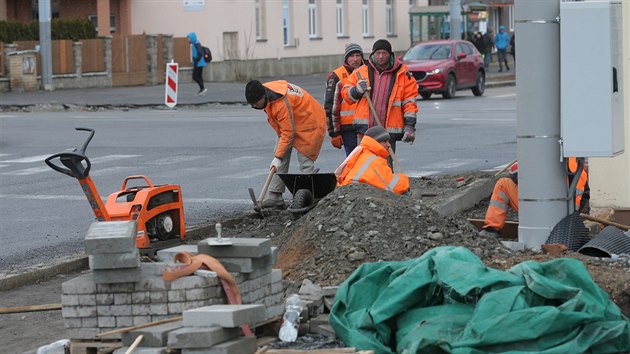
[[368, 164], [339, 113], [505, 194], [298, 120], [392, 90]]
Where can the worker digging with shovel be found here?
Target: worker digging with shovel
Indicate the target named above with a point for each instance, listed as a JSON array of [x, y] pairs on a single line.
[[300, 123]]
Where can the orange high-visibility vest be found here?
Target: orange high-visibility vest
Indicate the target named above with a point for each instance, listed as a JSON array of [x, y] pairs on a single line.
[[298, 119], [346, 111], [370, 166]]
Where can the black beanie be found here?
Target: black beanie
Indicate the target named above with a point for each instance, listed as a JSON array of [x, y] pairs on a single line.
[[382, 44], [254, 91], [378, 133]]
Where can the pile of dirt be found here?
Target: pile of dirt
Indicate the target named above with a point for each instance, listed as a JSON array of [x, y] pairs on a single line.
[[358, 223]]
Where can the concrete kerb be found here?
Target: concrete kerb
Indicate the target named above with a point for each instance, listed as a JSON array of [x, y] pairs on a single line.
[[40, 272]]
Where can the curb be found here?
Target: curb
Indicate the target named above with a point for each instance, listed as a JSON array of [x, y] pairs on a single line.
[[41, 272]]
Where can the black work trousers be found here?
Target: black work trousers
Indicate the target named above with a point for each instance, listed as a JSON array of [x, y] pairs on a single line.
[[197, 76]]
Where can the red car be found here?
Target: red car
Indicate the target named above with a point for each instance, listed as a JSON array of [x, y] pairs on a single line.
[[445, 67]]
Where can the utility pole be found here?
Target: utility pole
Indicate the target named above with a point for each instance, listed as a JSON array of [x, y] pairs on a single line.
[[455, 8], [45, 49], [541, 178]]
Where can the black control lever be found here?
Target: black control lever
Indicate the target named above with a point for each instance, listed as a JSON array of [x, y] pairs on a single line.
[[73, 160]]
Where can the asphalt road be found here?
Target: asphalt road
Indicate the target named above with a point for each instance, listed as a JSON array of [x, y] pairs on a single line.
[[215, 154]]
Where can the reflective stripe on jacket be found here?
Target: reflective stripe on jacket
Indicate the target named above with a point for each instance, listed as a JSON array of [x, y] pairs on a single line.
[[401, 108], [581, 185], [298, 119], [370, 166], [504, 195], [338, 111]]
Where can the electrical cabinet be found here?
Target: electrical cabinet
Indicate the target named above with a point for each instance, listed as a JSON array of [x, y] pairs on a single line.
[[592, 123]]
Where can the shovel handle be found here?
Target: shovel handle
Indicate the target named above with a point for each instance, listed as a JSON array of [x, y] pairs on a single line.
[[272, 171], [378, 122], [605, 222]]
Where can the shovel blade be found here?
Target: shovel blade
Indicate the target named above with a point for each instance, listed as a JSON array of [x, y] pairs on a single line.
[[257, 207]]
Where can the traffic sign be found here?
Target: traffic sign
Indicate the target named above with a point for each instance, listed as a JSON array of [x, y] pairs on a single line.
[[170, 87]]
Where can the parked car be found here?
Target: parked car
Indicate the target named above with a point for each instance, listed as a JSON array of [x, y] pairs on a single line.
[[446, 66]]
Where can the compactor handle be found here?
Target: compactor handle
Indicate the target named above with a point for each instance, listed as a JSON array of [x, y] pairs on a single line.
[[145, 178], [73, 160]]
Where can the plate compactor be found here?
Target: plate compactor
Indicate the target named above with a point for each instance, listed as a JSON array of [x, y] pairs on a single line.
[[158, 210]]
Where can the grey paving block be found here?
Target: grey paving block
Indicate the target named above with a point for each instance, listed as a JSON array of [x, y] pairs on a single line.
[[151, 284], [110, 237], [78, 311], [276, 275], [123, 298], [83, 333], [241, 247], [246, 265], [154, 336], [200, 337], [330, 290], [152, 268], [193, 281], [111, 276], [83, 284], [69, 300], [72, 322], [228, 316], [114, 288], [166, 255], [114, 260], [242, 345]]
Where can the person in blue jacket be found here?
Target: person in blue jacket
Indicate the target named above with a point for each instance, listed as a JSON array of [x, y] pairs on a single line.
[[198, 62], [501, 41]]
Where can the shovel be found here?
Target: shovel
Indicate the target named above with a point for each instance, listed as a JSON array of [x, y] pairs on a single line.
[[258, 202]]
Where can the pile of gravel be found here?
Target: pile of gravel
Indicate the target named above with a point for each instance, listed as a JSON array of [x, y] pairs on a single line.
[[359, 223]]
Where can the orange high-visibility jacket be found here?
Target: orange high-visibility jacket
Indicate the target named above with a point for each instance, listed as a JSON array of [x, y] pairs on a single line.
[[581, 185], [342, 111], [298, 119], [370, 166], [401, 107]]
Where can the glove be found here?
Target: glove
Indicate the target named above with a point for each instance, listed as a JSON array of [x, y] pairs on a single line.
[[361, 87], [275, 163], [409, 136], [336, 141]]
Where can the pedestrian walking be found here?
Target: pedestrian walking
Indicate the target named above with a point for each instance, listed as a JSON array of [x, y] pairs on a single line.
[[339, 114], [513, 47], [488, 40], [392, 90], [198, 62], [479, 43], [300, 123], [501, 41]]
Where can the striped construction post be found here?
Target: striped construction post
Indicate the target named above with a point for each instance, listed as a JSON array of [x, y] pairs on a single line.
[[170, 87]]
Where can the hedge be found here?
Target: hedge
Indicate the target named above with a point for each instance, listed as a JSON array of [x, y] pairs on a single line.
[[74, 29]]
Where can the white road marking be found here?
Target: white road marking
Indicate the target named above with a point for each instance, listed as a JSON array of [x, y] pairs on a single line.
[[249, 174], [174, 159], [3, 166], [242, 159], [81, 197], [449, 164], [35, 170], [503, 96], [418, 174], [29, 159]]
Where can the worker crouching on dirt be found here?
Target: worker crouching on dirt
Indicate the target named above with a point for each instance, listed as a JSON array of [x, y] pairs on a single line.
[[505, 194], [300, 122], [368, 164]]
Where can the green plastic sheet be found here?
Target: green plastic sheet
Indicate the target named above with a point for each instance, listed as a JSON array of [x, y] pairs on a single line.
[[448, 301]]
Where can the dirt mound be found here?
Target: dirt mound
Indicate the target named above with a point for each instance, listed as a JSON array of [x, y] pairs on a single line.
[[358, 223]]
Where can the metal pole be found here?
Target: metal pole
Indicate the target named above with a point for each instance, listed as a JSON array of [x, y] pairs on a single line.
[[541, 178], [455, 8], [45, 49]]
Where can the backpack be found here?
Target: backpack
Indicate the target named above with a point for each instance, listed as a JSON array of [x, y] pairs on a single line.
[[207, 54]]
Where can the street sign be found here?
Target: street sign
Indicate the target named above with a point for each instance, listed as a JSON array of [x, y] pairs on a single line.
[[170, 86]]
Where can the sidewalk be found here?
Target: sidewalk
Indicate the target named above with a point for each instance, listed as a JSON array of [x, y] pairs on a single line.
[[153, 96]]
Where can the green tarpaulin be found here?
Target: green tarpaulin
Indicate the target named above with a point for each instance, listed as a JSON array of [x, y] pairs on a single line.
[[448, 301]]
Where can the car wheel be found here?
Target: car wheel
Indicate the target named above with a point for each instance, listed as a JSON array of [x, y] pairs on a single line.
[[450, 87], [426, 96], [480, 87]]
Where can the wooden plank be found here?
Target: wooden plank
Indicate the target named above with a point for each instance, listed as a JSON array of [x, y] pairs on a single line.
[[93, 53], [32, 308], [509, 231]]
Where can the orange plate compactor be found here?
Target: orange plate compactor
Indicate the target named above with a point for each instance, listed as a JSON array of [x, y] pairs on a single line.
[[158, 210]]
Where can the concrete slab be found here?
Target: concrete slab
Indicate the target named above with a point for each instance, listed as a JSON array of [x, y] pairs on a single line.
[[115, 276], [154, 336], [110, 237], [468, 198], [243, 345], [200, 337], [166, 255], [114, 260], [241, 247], [228, 316]]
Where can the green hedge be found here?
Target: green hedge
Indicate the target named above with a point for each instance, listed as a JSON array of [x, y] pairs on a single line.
[[73, 29]]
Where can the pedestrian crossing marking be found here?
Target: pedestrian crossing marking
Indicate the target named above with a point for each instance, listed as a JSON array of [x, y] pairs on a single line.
[[29, 159], [41, 169]]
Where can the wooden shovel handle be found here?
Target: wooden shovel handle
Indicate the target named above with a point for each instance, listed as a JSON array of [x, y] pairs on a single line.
[[272, 171], [605, 222]]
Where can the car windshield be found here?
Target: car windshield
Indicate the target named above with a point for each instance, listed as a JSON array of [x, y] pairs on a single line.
[[429, 52]]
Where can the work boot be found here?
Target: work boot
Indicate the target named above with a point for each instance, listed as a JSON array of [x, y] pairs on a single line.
[[489, 232], [274, 200]]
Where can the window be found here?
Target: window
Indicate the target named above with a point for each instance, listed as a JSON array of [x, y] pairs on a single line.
[[365, 15], [54, 9], [511, 18], [286, 24], [340, 29], [260, 20], [312, 19], [112, 22], [389, 17]]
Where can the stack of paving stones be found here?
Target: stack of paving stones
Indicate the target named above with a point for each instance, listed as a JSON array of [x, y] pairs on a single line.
[[209, 330], [115, 294]]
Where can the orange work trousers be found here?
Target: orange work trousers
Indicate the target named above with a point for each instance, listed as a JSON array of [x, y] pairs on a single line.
[[504, 195]]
